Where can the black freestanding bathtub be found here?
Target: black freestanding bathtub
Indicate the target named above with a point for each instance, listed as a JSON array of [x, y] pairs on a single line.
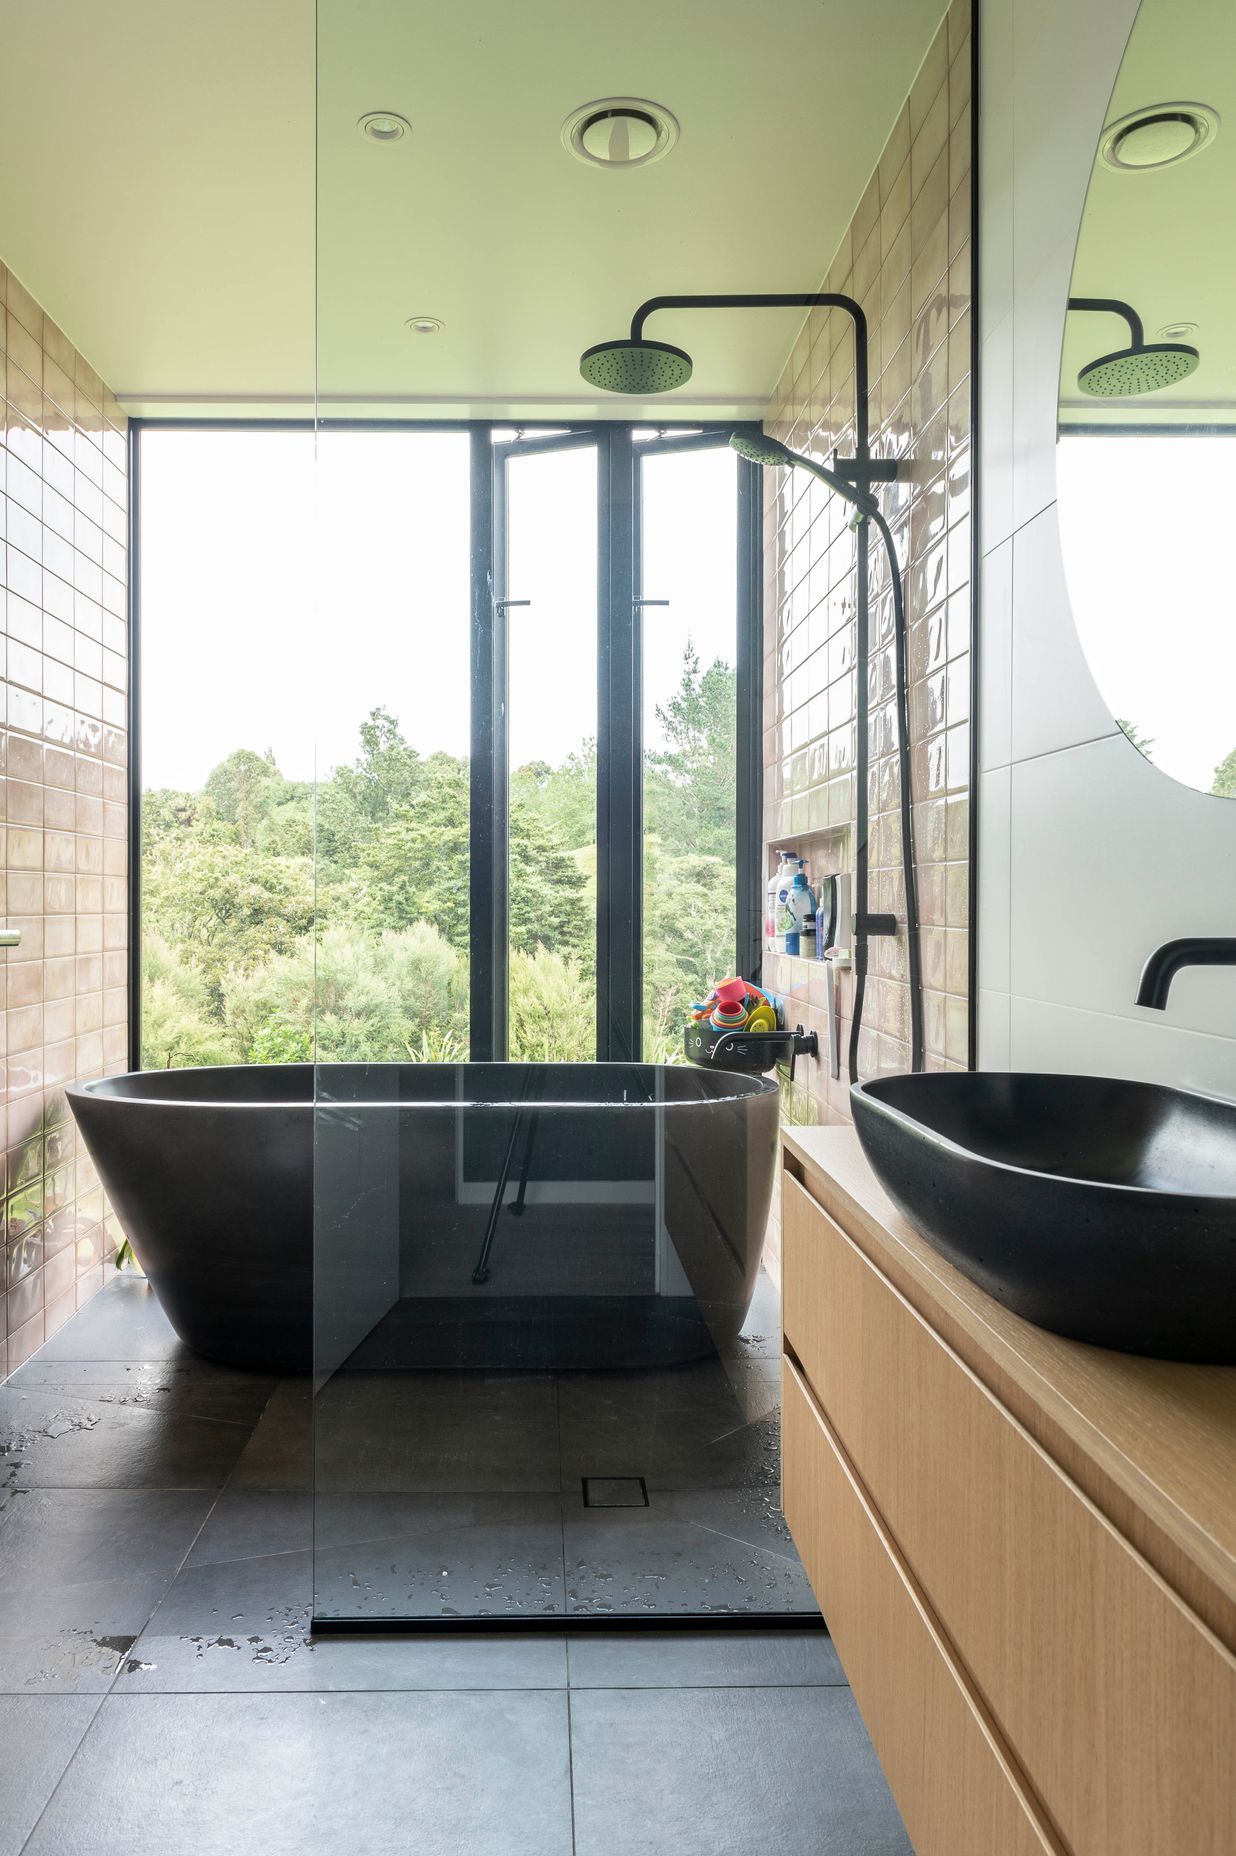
[[474, 1215]]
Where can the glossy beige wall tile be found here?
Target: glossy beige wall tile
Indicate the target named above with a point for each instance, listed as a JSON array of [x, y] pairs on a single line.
[[906, 258], [63, 756]]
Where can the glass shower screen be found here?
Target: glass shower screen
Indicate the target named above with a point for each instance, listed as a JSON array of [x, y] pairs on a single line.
[[545, 1352], [545, 1358]]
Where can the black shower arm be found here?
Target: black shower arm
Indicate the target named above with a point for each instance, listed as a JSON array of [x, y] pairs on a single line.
[[1113, 306], [815, 299]]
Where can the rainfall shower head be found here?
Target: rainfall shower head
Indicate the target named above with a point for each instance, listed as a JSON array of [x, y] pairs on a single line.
[[759, 448], [635, 367], [1142, 367], [639, 367]]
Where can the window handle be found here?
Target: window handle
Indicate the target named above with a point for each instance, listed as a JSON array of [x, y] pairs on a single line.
[[640, 601], [501, 605]]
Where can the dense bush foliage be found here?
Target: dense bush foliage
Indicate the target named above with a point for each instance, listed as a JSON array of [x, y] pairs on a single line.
[[258, 950]]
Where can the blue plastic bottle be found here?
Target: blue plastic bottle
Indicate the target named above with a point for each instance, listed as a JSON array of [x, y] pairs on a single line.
[[800, 909]]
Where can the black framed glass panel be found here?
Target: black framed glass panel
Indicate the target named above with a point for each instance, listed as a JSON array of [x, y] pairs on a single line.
[[546, 626]]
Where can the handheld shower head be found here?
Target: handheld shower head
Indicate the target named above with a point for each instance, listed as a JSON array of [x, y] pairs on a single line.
[[760, 448], [1142, 367], [638, 367]]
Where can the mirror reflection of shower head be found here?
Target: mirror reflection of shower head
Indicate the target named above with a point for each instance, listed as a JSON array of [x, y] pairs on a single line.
[[760, 448], [1142, 367]]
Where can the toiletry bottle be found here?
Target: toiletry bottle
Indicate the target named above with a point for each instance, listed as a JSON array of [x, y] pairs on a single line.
[[785, 877], [770, 906], [800, 910], [826, 917]]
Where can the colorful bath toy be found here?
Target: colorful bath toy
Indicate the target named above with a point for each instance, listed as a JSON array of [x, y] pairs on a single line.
[[737, 1005]]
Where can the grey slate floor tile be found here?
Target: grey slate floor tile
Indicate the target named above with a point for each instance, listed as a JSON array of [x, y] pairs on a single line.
[[687, 1427], [49, 1441], [279, 1453], [181, 1615], [704, 1659], [73, 1639], [39, 1735], [124, 1324], [426, 1432], [308, 1775], [189, 1386], [67, 1536], [243, 1625], [439, 1556], [246, 1523], [698, 1551], [81, 1572], [724, 1772]]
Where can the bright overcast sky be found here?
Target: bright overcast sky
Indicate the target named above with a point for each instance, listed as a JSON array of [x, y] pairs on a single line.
[[1145, 526], [284, 596]]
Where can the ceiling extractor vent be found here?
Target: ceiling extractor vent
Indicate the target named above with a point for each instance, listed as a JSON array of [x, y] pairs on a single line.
[[620, 132], [1158, 136]]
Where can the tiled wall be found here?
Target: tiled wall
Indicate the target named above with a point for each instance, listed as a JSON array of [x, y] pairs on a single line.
[[906, 258], [63, 749]]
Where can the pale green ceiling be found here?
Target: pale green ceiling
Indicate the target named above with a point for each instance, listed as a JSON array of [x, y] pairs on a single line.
[[157, 189]]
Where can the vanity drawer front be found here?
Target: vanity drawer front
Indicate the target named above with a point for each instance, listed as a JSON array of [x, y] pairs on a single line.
[[950, 1777], [1119, 1704]]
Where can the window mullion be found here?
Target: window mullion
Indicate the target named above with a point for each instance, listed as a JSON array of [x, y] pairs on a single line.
[[488, 781], [619, 754]]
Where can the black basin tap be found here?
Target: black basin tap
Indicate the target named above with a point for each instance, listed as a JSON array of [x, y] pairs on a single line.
[[1166, 961]]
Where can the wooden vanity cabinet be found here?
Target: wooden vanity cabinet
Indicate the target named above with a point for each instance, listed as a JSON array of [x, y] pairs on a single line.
[[1031, 1678]]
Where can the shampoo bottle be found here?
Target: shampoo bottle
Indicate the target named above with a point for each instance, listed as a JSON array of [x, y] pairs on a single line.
[[785, 877], [800, 911]]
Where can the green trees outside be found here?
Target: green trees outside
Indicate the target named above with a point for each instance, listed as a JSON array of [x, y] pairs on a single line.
[[1223, 774], [1131, 732], [1224, 785], [1225, 777], [257, 951]]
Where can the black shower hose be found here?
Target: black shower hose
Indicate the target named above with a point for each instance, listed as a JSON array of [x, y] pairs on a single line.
[[913, 949]]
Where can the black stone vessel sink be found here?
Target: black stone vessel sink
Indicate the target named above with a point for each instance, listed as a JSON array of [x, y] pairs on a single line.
[[1103, 1210]]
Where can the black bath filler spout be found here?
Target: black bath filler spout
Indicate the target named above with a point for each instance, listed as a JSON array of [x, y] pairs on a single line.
[[1205, 950]]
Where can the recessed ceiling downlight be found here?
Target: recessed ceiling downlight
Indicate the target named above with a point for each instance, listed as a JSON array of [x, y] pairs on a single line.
[[425, 325], [1158, 137], [384, 126], [620, 132]]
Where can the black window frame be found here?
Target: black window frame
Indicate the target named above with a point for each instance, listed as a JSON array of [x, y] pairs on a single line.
[[619, 706]]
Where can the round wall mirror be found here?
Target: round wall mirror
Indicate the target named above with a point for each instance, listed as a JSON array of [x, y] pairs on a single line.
[[1146, 451]]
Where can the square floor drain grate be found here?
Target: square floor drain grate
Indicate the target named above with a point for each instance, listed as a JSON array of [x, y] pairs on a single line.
[[615, 1492]]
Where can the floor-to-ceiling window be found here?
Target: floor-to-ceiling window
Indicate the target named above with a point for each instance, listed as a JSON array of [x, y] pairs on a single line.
[[440, 741], [689, 654], [550, 498], [304, 745]]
